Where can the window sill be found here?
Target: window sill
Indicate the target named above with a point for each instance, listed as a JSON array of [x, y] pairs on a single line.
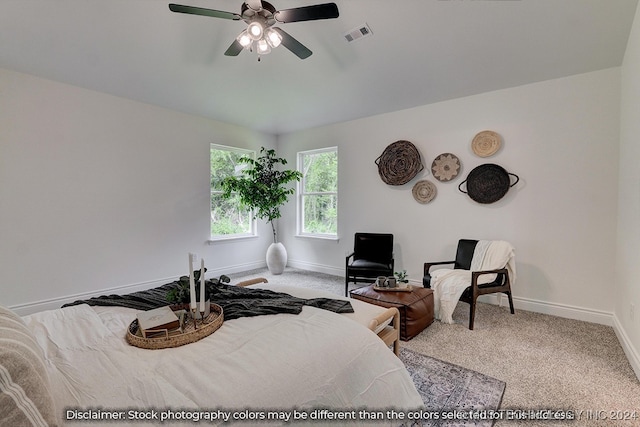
[[213, 241], [318, 236]]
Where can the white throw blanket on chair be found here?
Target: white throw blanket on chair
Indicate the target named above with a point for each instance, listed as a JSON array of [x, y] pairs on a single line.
[[449, 284]]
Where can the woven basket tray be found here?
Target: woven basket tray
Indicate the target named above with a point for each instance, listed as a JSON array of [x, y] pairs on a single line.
[[399, 163], [190, 334], [488, 183]]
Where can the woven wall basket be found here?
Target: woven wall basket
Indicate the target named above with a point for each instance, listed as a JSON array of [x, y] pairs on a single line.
[[399, 163], [445, 167], [486, 143], [424, 191], [488, 183]]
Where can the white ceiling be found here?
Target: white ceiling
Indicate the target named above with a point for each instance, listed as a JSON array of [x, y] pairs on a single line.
[[421, 51]]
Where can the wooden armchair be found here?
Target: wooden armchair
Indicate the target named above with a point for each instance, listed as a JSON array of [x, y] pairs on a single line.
[[464, 256]]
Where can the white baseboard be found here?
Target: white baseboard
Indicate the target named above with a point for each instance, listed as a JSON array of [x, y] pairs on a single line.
[[555, 309], [237, 268], [527, 304], [51, 304], [627, 346], [318, 268]]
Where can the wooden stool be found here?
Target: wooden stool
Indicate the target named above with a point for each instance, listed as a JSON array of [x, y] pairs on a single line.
[[391, 333]]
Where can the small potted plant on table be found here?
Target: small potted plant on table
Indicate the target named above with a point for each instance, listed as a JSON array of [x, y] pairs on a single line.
[[401, 278]]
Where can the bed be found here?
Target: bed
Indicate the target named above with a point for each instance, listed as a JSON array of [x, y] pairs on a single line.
[[317, 365]]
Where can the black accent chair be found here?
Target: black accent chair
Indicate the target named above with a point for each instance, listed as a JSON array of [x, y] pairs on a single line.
[[464, 255], [372, 256]]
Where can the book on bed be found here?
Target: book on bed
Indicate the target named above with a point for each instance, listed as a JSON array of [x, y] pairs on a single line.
[[158, 320]]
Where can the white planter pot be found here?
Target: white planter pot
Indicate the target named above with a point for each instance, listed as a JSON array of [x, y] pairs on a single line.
[[276, 258]]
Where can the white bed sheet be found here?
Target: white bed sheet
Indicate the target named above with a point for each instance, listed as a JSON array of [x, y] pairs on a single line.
[[314, 360]]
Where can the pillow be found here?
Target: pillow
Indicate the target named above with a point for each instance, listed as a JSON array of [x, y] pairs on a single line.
[[25, 390]]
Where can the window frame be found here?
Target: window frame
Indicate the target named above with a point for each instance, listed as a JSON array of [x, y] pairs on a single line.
[[301, 195], [253, 231]]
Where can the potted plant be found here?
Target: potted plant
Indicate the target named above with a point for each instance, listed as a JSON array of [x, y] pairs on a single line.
[[262, 187], [401, 277]]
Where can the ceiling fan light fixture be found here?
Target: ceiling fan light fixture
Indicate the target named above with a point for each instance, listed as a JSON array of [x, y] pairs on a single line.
[[260, 15], [244, 39], [262, 47], [255, 30], [273, 37]]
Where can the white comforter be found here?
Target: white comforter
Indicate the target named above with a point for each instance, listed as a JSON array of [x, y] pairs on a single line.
[[314, 360]]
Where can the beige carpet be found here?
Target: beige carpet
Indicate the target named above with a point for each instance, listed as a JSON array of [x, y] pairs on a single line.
[[548, 362]]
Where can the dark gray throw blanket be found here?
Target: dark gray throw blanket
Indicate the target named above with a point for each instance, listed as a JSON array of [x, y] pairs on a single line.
[[235, 301]]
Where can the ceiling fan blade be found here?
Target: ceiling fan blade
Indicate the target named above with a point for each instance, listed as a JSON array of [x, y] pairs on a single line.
[[234, 49], [307, 13], [192, 10], [300, 50], [254, 4]]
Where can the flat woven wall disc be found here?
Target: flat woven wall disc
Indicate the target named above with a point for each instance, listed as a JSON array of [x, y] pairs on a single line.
[[486, 143], [424, 191], [445, 167]]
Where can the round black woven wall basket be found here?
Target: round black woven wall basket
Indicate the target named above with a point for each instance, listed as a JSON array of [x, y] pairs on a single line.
[[488, 183], [399, 163]]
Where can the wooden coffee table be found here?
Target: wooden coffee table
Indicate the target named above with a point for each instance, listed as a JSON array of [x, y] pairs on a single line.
[[415, 307]]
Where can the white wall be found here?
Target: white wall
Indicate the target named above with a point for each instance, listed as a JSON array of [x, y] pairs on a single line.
[[98, 192], [560, 137], [627, 284]]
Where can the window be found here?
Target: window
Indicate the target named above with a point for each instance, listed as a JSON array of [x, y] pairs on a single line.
[[318, 193], [228, 218]]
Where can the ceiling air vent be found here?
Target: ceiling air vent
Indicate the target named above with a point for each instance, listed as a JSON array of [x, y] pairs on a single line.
[[358, 33]]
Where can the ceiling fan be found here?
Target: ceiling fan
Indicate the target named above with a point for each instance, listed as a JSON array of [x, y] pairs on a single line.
[[260, 35]]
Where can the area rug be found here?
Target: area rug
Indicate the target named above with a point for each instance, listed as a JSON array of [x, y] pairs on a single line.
[[453, 395]]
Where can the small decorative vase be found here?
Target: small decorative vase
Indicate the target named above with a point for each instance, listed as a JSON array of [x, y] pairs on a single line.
[[276, 258]]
